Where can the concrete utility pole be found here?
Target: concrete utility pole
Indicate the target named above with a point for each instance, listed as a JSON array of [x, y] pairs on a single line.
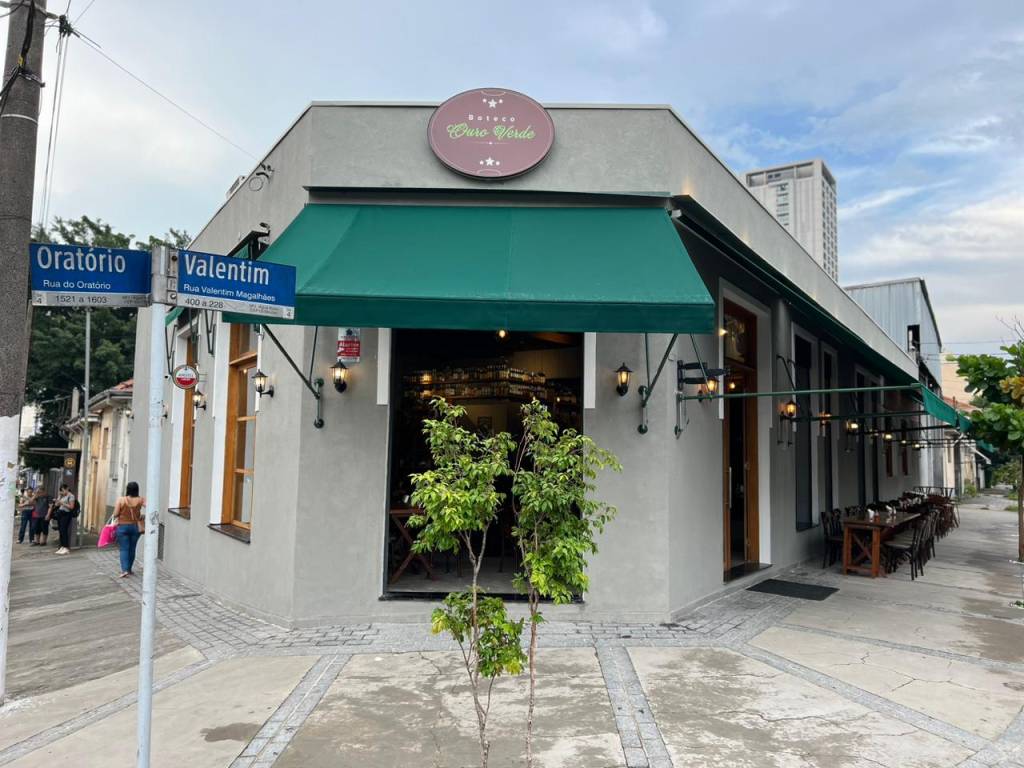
[[18, 128]]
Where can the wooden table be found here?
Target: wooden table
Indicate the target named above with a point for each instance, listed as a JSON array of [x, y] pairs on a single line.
[[400, 517], [862, 540]]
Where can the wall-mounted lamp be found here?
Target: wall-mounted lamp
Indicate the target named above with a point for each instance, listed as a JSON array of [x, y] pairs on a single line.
[[622, 379], [339, 375], [129, 413], [888, 437], [261, 382], [709, 388], [917, 446], [502, 334], [199, 399], [707, 382], [904, 441], [852, 427], [789, 410], [731, 386], [824, 419]]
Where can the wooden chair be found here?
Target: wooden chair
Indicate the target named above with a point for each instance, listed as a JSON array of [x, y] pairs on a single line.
[[832, 531]]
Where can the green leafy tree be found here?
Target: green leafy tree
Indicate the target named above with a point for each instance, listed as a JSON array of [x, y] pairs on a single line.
[[459, 501], [56, 355], [557, 520], [999, 382]]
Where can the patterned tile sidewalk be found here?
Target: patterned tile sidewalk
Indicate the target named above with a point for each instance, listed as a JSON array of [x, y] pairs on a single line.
[[653, 700]]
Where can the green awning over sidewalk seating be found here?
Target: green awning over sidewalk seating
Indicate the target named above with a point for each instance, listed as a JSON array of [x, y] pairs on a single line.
[[943, 411], [486, 268]]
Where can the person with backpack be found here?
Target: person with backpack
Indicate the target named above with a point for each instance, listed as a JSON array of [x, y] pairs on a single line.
[[64, 512], [129, 519]]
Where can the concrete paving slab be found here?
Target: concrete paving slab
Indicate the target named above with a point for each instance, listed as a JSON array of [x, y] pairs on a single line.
[[967, 635], [202, 722], [975, 698], [70, 623], [950, 595], [22, 718], [717, 707], [389, 710]]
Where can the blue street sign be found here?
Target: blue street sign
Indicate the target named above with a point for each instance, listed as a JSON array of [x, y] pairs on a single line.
[[76, 276], [230, 284]]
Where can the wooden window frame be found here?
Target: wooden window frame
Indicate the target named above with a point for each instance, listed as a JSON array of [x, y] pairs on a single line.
[[188, 433], [239, 360]]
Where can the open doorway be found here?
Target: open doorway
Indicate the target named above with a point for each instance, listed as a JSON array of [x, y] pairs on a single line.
[[740, 512], [491, 374]]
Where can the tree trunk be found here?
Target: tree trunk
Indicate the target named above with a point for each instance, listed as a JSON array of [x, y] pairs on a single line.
[[534, 600], [481, 714]]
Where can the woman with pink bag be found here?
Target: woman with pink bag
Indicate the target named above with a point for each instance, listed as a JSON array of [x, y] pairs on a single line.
[[128, 516]]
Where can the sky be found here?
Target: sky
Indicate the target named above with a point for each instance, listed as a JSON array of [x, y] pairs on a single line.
[[917, 107]]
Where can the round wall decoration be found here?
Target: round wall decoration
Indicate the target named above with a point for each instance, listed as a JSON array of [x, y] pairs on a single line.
[[185, 376], [491, 133]]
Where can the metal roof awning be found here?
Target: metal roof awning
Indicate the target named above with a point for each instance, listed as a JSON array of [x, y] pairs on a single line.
[[613, 269]]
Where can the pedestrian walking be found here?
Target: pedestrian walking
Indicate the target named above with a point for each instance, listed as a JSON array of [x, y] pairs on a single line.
[[25, 507], [128, 516], [41, 503], [64, 511]]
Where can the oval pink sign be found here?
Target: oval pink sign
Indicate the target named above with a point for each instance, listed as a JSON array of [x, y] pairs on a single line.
[[491, 133]]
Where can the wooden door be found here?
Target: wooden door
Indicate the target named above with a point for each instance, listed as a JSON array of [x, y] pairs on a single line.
[[741, 541]]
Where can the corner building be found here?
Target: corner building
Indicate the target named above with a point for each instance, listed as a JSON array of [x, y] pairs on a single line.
[[630, 243]]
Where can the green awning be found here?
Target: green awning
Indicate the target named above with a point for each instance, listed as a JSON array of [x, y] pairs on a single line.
[[943, 411], [172, 315], [488, 267]]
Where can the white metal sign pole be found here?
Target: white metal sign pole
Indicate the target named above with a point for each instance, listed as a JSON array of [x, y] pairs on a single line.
[[85, 460], [151, 537]]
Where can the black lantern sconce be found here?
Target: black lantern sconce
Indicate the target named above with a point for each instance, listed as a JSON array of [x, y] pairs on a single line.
[[917, 446], [339, 375], [852, 429], [789, 410], [707, 383], [824, 419], [502, 334], [887, 437], [622, 374], [261, 382], [199, 400]]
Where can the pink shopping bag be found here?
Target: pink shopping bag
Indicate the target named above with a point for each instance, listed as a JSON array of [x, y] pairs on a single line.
[[107, 536]]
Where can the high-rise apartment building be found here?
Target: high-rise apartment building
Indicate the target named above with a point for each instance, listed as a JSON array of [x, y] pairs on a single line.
[[802, 197]]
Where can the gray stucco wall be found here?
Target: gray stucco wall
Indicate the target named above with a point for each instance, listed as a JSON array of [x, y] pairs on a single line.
[[317, 545]]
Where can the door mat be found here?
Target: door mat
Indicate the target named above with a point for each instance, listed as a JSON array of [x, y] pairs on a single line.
[[793, 589]]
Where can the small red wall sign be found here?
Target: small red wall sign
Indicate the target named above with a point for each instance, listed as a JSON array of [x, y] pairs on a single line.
[[491, 133], [185, 376]]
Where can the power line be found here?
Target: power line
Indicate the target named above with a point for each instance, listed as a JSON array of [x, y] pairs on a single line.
[[84, 11], [170, 101], [63, 41]]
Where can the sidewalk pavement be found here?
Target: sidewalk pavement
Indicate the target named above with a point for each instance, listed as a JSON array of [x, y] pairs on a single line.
[[885, 672]]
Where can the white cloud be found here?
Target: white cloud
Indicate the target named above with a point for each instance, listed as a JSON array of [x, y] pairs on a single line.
[[991, 230], [621, 29], [878, 200]]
